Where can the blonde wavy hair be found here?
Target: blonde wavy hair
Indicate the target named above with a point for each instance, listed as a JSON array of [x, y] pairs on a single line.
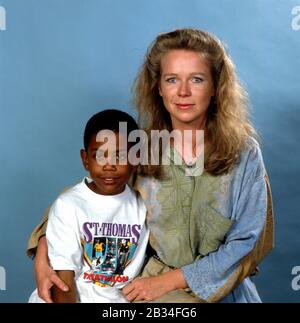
[[228, 126]]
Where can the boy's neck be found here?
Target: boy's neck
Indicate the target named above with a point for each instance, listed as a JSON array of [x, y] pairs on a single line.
[[92, 186]]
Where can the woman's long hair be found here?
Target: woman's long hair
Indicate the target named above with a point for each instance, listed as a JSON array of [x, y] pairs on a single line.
[[228, 126]]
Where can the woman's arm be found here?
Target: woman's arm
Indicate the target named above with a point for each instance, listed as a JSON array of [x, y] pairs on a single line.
[[38, 232], [45, 276], [60, 296], [248, 241], [37, 248]]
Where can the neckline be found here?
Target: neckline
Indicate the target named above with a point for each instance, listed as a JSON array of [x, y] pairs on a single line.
[[94, 195]]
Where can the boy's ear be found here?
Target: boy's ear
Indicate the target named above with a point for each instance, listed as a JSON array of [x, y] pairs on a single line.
[[84, 159], [137, 167]]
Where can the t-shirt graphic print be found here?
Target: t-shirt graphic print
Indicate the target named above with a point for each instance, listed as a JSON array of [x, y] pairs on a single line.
[[108, 256]]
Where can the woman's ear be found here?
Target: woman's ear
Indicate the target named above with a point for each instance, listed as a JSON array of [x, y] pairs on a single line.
[[83, 155], [159, 90]]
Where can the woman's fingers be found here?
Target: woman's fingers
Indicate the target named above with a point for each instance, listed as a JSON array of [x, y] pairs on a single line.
[[133, 295], [58, 282], [131, 292], [45, 294], [45, 283], [128, 288], [44, 290]]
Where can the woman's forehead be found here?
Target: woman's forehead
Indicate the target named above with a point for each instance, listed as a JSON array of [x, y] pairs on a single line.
[[179, 60]]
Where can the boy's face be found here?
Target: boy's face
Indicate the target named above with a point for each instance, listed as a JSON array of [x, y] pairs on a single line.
[[109, 178]]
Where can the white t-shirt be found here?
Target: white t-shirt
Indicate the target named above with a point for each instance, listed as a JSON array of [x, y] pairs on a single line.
[[102, 238]]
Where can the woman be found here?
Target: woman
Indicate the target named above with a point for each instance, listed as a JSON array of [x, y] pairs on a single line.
[[208, 232]]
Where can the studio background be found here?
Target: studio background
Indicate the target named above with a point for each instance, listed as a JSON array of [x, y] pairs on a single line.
[[63, 60]]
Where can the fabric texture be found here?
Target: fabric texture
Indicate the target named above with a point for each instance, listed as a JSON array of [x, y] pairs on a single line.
[[215, 228]]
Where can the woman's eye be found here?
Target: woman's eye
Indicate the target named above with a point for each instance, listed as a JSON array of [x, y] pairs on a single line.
[[171, 80], [197, 79]]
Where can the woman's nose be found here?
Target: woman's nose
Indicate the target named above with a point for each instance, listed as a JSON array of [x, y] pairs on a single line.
[[184, 89]]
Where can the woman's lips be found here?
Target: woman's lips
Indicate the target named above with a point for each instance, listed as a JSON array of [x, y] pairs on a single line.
[[184, 106]]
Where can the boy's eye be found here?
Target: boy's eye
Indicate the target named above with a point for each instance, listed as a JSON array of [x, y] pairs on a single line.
[[121, 156], [100, 155]]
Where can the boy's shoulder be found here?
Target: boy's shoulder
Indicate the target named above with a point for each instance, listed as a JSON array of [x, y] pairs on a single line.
[[71, 193], [80, 191]]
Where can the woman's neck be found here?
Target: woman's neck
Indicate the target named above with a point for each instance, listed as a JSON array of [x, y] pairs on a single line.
[[193, 125], [189, 143]]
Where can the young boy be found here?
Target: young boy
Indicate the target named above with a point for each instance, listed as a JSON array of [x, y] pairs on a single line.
[[96, 233]]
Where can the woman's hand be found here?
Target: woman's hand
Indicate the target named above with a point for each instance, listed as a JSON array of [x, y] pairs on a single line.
[[45, 276], [148, 289], [151, 288]]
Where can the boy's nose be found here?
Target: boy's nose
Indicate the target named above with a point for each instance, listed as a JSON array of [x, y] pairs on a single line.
[[109, 167]]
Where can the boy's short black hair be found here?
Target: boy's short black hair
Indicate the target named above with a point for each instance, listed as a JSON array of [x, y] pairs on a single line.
[[107, 120]]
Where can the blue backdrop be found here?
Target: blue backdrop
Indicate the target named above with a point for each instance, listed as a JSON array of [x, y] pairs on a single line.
[[62, 61]]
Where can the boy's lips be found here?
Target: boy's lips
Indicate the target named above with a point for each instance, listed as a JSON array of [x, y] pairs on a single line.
[[109, 180]]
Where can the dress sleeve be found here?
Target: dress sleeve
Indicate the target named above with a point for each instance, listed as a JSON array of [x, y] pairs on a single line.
[[248, 241], [38, 232]]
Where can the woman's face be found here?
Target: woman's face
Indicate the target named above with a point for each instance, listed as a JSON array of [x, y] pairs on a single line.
[[186, 87]]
